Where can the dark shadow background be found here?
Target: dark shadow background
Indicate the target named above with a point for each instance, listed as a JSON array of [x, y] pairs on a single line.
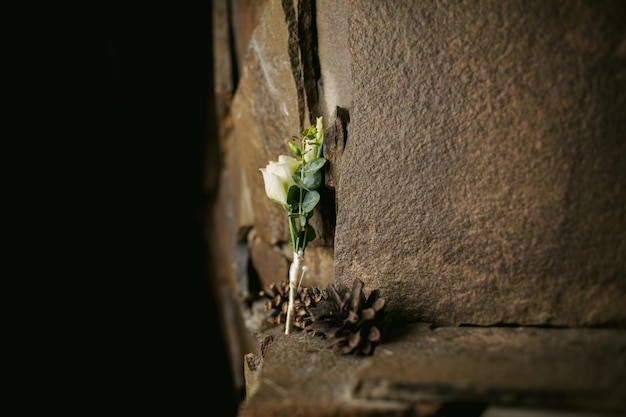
[[137, 91]]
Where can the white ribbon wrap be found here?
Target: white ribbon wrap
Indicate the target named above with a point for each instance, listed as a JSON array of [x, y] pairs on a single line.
[[294, 273]]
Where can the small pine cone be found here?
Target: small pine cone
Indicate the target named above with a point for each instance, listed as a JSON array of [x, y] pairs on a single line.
[[348, 318], [278, 298], [278, 303], [307, 298]]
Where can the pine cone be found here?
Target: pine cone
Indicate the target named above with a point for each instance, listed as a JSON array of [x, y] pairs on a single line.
[[348, 319], [278, 295], [308, 298]]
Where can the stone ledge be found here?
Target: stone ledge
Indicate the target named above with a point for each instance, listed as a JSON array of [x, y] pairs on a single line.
[[419, 370], [572, 368]]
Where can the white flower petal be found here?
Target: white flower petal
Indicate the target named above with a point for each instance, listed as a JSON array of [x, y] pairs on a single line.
[[278, 177], [274, 187]]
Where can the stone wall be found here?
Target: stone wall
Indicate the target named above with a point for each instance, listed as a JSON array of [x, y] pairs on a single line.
[[477, 152], [493, 140]]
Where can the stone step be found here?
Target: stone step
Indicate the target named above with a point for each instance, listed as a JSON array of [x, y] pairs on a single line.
[[418, 370]]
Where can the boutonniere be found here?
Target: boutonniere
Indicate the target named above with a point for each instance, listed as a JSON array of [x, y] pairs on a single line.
[[292, 182]]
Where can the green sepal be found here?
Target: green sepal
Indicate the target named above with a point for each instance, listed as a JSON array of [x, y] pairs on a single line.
[[309, 133]]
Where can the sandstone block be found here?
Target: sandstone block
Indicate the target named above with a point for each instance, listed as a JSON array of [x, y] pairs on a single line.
[[483, 177]]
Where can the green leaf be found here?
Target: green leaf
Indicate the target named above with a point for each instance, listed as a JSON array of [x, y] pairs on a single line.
[[313, 165], [310, 182], [293, 196], [310, 201], [298, 180], [313, 181], [310, 233]]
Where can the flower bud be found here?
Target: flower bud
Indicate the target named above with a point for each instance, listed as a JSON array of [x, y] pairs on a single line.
[[295, 149], [319, 126], [313, 146]]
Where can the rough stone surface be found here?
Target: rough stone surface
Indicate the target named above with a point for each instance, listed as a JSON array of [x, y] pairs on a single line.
[[319, 260], [241, 207], [301, 377], [245, 15], [223, 62], [539, 412], [483, 176], [421, 370], [332, 17], [230, 282], [335, 138], [269, 264], [266, 115], [582, 369]]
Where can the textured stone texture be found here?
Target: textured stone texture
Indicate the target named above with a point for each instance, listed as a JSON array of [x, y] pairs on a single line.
[[240, 204], [223, 67], [245, 15], [425, 370], [581, 369], [332, 17], [319, 260], [269, 263], [483, 176], [231, 282], [265, 113], [300, 377], [539, 412]]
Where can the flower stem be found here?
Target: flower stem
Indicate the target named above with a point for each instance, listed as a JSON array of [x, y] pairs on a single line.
[[294, 234], [294, 271]]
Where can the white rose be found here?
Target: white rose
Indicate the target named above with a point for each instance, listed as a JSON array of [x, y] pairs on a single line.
[[278, 178]]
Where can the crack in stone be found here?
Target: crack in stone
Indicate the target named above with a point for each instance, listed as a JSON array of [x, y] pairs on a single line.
[[293, 49], [303, 57], [307, 30]]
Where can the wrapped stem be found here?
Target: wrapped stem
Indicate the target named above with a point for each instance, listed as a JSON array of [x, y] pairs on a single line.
[[294, 272]]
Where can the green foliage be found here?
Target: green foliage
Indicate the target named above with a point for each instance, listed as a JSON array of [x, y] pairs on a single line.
[[302, 197]]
